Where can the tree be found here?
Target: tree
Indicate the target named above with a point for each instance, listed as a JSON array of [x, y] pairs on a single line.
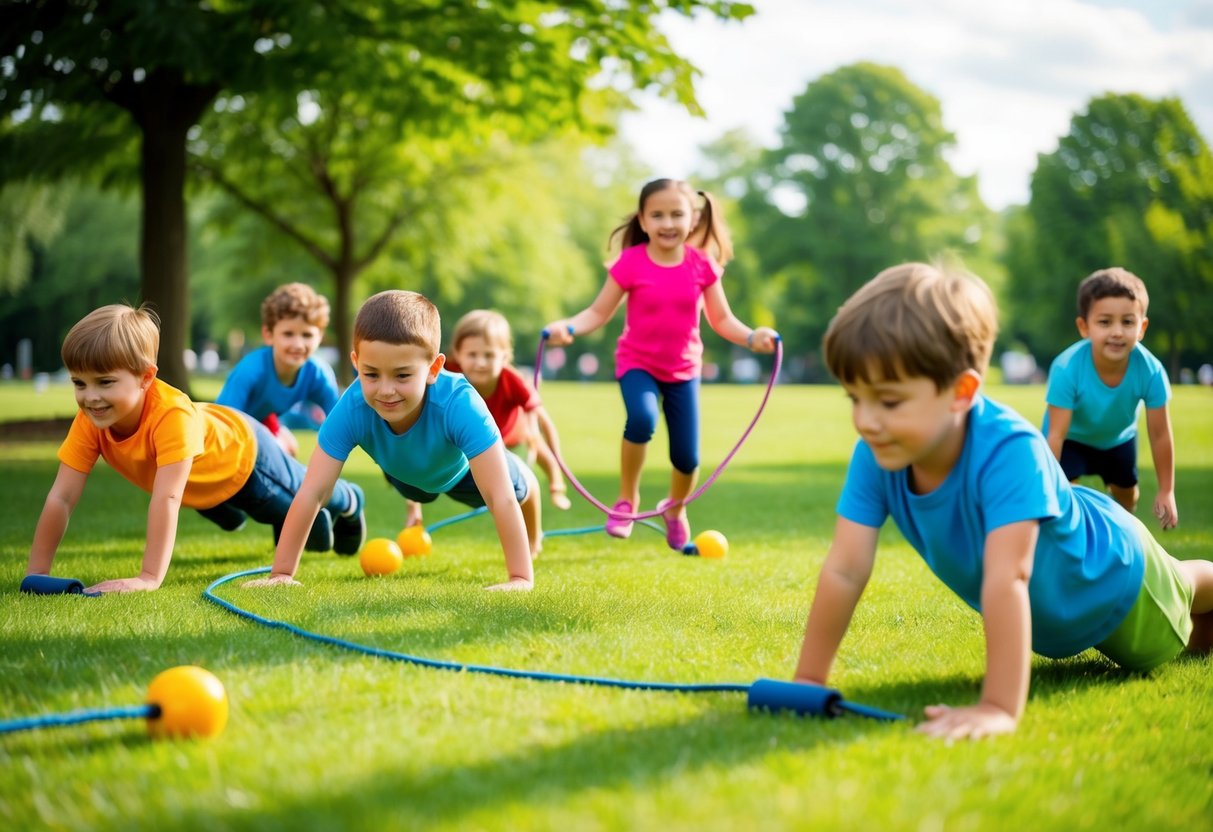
[[64, 66], [1131, 184], [859, 182]]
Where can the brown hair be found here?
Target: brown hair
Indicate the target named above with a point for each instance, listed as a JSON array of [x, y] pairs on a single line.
[[1113, 282], [114, 337], [710, 233], [295, 300], [400, 317], [489, 325], [913, 321]]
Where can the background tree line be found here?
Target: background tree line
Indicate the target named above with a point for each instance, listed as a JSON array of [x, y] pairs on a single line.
[[424, 157]]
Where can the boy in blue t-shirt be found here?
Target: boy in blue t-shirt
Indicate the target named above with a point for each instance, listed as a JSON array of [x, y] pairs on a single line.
[[1095, 389], [428, 430], [284, 378], [1052, 568]]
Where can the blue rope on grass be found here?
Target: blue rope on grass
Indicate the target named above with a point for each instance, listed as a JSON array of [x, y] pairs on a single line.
[[77, 717]]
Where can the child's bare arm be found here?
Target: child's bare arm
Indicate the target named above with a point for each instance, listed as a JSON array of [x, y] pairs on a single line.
[[1059, 427], [1162, 448], [317, 487], [60, 502], [168, 488], [725, 324], [588, 319], [492, 477], [844, 575], [1007, 564]]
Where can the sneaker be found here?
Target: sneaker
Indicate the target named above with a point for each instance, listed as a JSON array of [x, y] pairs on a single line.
[[320, 538], [677, 530], [349, 531], [618, 524]]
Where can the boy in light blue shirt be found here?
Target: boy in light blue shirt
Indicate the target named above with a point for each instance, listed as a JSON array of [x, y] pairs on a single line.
[[428, 430], [1096, 387], [975, 490], [284, 377]]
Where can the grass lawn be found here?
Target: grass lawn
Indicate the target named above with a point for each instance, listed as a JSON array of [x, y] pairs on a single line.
[[323, 738]]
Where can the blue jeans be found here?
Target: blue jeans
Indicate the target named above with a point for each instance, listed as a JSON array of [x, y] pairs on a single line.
[[275, 479], [679, 401]]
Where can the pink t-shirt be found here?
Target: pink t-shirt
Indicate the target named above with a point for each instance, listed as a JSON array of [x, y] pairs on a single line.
[[661, 329]]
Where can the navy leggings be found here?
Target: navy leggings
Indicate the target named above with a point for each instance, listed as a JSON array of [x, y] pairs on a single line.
[[679, 402]]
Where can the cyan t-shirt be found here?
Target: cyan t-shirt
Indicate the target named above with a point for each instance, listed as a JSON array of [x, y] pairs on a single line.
[[454, 426], [1089, 559], [1104, 417], [253, 386]]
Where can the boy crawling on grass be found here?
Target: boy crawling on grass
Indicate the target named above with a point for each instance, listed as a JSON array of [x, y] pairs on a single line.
[[208, 457], [1052, 567]]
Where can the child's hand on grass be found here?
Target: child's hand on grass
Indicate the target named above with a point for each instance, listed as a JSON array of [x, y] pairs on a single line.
[[272, 580], [139, 584], [971, 722], [1166, 511], [512, 585]]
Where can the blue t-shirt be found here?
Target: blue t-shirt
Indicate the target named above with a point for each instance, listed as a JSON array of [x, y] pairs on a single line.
[[454, 426], [253, 386], [1103, 416], [1089, 559]]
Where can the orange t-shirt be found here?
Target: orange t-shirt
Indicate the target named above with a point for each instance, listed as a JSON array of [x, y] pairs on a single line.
[[171, 429]]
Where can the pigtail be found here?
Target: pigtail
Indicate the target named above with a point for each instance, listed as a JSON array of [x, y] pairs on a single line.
[[711, 234]]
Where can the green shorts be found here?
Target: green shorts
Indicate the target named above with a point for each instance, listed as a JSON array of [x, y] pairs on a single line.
[[1159, 624]]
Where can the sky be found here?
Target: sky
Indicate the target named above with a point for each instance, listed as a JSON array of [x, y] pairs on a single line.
[[1009, 75]]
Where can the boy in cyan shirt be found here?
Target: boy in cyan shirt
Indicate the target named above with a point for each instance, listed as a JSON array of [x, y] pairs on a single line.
[[974, 489], [1095, 389], [202, 456], [429, 431], [284, 376]]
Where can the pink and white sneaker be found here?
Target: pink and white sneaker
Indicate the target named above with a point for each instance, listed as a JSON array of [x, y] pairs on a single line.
[[677, 529], [619, 522]]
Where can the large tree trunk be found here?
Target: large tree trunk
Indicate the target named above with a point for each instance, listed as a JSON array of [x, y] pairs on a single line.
[[343, 319], [165, 109]]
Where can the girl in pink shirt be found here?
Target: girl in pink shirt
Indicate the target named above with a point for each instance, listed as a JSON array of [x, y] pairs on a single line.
[[674, 250]]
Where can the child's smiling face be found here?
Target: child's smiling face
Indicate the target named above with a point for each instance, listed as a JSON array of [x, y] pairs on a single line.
[[1114, 326], [394, 378], [112, 399]]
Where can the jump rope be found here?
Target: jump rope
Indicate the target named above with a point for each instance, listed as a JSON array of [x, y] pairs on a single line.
[[698, 492], [763, 694]]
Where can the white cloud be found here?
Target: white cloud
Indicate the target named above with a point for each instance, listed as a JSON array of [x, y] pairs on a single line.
[[1009, 76]]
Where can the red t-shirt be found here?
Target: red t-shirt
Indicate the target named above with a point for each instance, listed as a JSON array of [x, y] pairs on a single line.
[[513, 398]]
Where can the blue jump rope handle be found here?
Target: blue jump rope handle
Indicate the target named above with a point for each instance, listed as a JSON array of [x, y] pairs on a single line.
[[547, 333], [47, 585], [808, 700]]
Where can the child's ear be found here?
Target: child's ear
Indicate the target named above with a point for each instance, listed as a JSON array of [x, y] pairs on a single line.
[[267, 334], [436, 368], [1145, 322], [1081, 323], [967, 386], [149, 375]]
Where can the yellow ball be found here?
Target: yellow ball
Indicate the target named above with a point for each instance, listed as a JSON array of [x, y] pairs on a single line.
[[711, 544], [380, 556], [191, 700], [414, 541]]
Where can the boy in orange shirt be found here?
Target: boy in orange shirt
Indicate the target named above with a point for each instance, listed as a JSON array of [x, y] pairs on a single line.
[[203, 456]]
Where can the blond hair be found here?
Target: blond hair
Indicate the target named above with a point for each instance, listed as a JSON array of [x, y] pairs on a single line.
[[114, 337], [400, 317], [1114, 282], [489, 325], [913, 321], [295, 300]]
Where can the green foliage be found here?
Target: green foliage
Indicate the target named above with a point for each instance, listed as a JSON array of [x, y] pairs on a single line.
[[321, 738], [31, 215], [1131, 184], [859, 182]]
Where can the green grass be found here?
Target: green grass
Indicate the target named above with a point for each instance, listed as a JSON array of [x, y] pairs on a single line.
[[321, 738]]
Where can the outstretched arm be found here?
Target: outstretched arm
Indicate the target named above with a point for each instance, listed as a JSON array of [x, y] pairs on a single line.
[[168, 488], [844, 575], [1162, 448], [588, 319], [1059, 428], [1008, 557], [492, 477], [725, 324], [60, 502], [314, 493]]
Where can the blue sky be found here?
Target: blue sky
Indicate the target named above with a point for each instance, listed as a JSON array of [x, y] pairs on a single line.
[[1009, 75]]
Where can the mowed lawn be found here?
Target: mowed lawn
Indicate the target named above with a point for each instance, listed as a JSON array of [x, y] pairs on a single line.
[[323, 738]]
